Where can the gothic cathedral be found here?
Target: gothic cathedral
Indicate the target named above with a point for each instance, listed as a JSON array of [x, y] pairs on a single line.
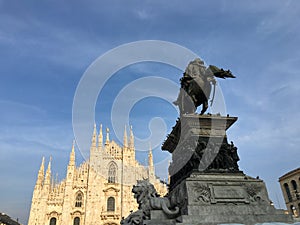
[[97, 192]]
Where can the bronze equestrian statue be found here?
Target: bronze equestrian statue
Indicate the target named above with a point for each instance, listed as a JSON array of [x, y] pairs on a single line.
[[196, 85]]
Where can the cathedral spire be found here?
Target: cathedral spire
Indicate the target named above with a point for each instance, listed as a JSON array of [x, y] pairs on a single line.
[[72, 155], [100, 137], [41, 174], [94, 138], [125, 142], [48, 173], [131, 140], [169, 176], [71, 166], [150, 157], [107, 136], [42, 168], [151, 165]]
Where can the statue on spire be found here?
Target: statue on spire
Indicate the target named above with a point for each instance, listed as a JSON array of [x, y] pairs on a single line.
[[107, 135]]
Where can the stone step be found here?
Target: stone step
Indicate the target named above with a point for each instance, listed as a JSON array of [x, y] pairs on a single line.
[[159, 222], [215, 219], [233, 209]]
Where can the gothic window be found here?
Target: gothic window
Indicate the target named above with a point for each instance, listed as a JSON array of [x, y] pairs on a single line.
[[76, 221], [111, 204], [79, 199], [288, 193], [53, 221], [112, 173]]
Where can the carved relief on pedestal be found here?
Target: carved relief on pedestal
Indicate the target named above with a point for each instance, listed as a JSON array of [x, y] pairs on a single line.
[[202, 193], [253, 192]]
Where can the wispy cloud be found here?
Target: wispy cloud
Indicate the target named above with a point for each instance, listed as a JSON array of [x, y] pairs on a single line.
[[277, 20], [143, 14], [42, 39]]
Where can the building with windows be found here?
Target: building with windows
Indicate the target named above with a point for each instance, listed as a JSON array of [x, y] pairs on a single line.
[[6, 220], [290, 186], [98, 192]]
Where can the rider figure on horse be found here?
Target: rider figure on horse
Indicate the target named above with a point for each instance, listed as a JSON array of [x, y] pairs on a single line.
[[196, 85]]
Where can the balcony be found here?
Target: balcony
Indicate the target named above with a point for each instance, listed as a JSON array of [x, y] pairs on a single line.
[[112, 215]]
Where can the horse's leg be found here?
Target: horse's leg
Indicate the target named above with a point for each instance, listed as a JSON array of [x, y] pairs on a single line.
[[204, 107]]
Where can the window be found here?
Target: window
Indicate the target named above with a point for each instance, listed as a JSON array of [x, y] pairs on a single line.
[[111, 204], [53, 221], [79, 199], [112, 172], [294, 184], [288, 193], [76, 221]]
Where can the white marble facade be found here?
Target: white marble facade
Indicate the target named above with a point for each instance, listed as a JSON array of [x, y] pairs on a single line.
[[95, 193]]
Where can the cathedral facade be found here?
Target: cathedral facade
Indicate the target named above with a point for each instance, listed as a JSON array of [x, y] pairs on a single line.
[[98, 192]]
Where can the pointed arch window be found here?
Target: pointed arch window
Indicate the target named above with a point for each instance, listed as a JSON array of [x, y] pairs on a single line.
[[76, 221], [112, 173], [111, 204], [79, 199], [52, 221]]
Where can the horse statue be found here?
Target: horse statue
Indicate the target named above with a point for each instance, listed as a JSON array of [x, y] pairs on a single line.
[[196, 85]]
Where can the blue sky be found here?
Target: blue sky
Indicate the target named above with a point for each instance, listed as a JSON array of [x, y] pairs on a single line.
[[46, 46]]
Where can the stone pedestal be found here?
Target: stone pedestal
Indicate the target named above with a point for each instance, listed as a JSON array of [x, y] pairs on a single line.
[[199, 143], [206, 185], [216, 198], [159, 218]]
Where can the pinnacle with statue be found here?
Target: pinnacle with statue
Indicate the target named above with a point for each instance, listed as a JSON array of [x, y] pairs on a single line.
[[206, 185]]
